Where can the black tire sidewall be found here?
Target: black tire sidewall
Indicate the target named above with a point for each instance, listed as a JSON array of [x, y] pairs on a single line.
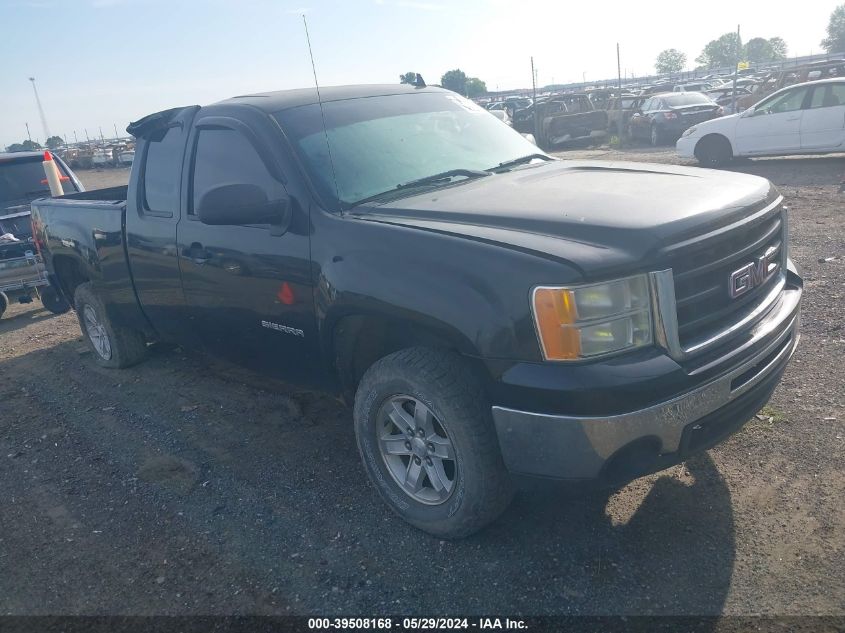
[[366, 434], [482, 487], [713, 152], [53, 302]]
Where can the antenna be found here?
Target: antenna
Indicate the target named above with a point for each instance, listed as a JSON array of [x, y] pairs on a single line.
[[322, 114]]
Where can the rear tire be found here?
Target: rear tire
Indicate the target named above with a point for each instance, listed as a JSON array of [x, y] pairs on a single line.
[[113, 345], [713, 151], [656, 135], [408, 461], [51, 300]]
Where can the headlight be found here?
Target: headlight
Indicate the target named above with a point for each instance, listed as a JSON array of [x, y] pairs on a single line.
[[689, 131], [592, 320]]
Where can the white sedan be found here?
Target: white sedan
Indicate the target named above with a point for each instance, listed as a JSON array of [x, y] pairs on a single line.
[[807, 118]]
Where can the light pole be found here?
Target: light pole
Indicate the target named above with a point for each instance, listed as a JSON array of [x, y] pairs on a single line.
[[40, 109]]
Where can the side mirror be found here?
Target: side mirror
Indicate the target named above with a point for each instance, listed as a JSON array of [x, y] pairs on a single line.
[[229, 205], [748, 112]]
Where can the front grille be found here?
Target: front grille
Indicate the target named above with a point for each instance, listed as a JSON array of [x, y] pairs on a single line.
[[702, 274]]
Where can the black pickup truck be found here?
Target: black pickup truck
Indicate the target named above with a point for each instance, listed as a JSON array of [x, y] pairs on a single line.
[[490, 311]]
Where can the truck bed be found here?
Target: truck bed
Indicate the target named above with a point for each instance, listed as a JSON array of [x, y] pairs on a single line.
[[110, 194], [82, 238]]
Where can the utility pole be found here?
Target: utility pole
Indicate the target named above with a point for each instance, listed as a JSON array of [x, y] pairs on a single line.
[[75, 140], [534, 93], [115, 130], [102, 140], [40, 109], [88, 138], [736, 68], [28, 135], [618, 68]]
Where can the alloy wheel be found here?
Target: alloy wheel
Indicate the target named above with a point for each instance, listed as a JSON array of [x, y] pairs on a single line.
[[97, 333], [417, 450]]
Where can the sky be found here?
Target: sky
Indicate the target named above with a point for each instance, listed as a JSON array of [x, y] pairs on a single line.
[[103, 63]]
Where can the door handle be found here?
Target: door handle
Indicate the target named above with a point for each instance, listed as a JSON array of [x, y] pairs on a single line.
[[793, 118]]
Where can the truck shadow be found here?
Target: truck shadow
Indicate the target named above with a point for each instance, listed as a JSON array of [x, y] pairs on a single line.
[[18, 320], [660, 545], [795, 171], [231, 478]]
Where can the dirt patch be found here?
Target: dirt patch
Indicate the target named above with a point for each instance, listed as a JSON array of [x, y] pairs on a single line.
[[185, 486], [177, 474]]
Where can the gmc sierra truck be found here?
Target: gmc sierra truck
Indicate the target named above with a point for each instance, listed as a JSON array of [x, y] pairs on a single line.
[[490, 312]]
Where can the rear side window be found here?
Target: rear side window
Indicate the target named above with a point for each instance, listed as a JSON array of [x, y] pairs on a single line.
[[162, 170], [828, 96], [226, 157]]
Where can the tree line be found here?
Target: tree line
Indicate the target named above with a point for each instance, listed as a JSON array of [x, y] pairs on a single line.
[[30, 146], [728, 48], [454, 80]]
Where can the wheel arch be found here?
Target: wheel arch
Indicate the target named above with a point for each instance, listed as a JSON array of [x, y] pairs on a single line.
[[358, 340], [70, 274]]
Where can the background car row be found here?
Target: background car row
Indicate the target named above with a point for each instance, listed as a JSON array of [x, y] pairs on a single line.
[[799, 118]]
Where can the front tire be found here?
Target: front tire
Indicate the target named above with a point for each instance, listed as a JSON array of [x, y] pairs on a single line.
[[428, 444], [54, 302], [113, 345], [713, 151]]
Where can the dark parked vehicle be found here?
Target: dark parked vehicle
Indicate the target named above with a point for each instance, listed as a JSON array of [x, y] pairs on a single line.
[[487, 310], [562, 119], [662, 118], [22, 274]]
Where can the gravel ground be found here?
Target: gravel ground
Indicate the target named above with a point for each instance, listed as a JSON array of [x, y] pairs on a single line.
[[184, 486]]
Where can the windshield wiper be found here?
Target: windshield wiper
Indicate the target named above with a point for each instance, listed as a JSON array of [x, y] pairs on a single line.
[[520, 161], [444, 177]]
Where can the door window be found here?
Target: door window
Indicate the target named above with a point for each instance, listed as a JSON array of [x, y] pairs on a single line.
[[162, 169], [788, 101], [828, 96], [226, 157]]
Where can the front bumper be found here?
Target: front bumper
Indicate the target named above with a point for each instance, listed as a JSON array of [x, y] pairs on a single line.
[[627, 445], [686, 146]]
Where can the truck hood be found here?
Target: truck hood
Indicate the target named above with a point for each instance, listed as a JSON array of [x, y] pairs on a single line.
[[597, 216]]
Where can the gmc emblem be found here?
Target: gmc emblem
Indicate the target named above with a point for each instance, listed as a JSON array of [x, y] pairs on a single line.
[[754, 274]]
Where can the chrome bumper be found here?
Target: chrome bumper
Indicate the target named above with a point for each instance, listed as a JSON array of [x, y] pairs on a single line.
[[570, 447]]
